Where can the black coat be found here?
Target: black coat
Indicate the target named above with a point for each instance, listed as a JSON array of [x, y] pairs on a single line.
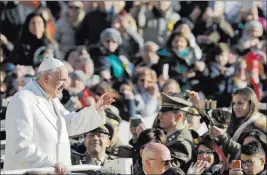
[[91, 27], [27, 44]]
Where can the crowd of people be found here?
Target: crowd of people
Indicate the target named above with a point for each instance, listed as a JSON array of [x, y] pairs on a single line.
[[161, 59]]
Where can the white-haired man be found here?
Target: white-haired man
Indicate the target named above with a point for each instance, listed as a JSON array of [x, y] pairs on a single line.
[[38, 126]]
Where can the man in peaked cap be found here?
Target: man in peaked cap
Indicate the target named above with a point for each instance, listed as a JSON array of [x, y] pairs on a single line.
[[97, 141], [116, 147], [172, 119]]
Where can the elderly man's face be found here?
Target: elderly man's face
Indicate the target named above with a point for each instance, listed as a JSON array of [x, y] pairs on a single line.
[[155, 165], [56, 82], [97, 143]]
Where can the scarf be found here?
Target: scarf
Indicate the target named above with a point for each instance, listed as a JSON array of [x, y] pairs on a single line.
[[241, 128]]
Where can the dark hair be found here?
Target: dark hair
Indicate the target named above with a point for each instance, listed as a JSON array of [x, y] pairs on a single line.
[[174, 171], [151, 134], [257, 133], [25, 33], [173, 35], [221, 116], [183, 21], [78, 49], [220, 48], [216, 50], [219, 157], [251, 148], [69, 52]]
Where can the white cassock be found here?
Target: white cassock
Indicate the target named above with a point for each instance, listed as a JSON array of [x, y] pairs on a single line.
[[37, 135]]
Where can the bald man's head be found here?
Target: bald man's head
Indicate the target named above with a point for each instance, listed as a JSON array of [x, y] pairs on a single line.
[[156, 158]]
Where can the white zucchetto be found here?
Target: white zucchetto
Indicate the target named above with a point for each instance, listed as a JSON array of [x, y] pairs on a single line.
[[49, 64]]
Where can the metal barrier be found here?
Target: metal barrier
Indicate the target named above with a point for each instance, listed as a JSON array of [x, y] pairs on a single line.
[[117, 166], [52, 170]]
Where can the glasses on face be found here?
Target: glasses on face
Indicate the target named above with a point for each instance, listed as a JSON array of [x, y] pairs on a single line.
[[208, 152], [165, 162], [98, 134], [74, 7], [249, 162]]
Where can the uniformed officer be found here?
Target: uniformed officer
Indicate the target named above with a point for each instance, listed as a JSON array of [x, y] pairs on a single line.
[[172, 119], [116, 148], [96, 143]]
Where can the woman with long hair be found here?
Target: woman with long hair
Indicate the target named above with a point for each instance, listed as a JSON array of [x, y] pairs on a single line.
[[34, 35], [245, 115]]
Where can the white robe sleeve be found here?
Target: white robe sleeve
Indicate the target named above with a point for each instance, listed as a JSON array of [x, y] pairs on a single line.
[[83, 121], [19, 128]]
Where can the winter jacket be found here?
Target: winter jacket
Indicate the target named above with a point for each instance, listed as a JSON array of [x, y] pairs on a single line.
[[91, 27], [156, 25], [231, 143], [27, 44], [65, 33]]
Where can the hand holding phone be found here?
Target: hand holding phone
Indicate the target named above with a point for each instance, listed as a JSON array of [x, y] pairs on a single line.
[[236, 164], [135, 122], [236, 168]]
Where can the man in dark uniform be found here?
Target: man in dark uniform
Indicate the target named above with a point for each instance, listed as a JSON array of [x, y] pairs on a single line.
[[116, 148], [172, 119], [96, 142]]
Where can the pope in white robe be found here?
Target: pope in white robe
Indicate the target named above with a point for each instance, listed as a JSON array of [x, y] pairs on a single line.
[[38, 127]]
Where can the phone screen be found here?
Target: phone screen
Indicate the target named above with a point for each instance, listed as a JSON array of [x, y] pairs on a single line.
[[135, 122], [236, 164]]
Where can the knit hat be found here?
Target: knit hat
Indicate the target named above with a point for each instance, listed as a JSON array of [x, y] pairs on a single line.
[[252, 25], [111, 34], [79, 75]]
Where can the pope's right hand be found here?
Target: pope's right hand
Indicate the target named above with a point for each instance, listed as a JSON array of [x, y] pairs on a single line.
[[60, 168]]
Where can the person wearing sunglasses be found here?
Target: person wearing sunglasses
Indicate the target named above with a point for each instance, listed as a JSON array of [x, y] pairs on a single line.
[[145, 137], [156, 158], [66, 26], [172, 119], [210, 158], [252, 160]]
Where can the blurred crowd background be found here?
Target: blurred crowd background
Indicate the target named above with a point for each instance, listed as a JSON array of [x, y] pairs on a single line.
[[136, 50]]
